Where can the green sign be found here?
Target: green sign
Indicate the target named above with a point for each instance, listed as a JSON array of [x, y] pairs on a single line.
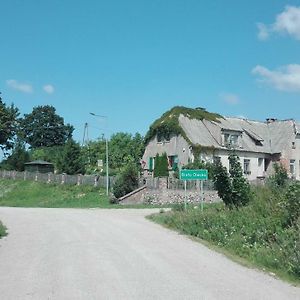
[[193, 174]]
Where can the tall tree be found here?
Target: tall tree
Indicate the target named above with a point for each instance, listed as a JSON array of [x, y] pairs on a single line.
[[71, 161], [8, 125], [44, 128], [18, 157], [125, 148]]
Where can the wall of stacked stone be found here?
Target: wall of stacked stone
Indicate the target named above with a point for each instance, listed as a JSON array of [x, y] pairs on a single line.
[[161, 194], [178, 196]]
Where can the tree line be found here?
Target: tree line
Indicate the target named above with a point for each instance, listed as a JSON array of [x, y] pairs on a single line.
[[43, 135]]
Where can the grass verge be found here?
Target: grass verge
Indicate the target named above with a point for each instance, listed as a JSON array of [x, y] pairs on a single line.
[[255, 235], [19, 193]]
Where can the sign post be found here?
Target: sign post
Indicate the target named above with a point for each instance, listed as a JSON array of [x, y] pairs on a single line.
[[201, 175]]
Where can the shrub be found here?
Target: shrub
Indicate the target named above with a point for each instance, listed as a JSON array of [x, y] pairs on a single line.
[[2, 230], [222, 184], [198, 164], [292, 203], [161, 166], [126, 181], [232, 188], [241, 194], [280, 177]]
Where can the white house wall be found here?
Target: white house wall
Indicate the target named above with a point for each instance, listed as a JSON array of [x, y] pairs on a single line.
[[176, 146], [292, 152], [257, 171]]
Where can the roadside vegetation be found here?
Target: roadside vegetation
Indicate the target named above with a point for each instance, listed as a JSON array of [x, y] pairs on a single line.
[[2, 230], [20, 193], [263, 232]]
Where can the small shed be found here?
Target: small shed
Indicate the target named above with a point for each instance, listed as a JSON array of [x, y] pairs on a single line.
[[40, 166]]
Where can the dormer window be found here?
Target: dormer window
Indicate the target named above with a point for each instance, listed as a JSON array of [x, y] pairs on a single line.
[[231, 139]]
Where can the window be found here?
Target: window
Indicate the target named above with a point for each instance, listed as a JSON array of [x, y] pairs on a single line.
[[293, 145], [163, 138], [292, 167], [247, 167], [260, 161], [234, 139], [216, 159], [231, 139], [173, 162]]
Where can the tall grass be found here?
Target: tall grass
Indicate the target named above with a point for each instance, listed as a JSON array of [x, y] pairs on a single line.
[[257, 232], [2, 230]]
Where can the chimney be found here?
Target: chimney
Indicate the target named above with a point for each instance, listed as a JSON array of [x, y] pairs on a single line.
[[271, 120]]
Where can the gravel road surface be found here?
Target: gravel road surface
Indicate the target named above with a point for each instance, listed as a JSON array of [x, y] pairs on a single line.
[[117, 254]]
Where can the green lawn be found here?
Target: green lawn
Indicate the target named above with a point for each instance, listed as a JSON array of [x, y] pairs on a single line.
[[35, 194], [20, 193]]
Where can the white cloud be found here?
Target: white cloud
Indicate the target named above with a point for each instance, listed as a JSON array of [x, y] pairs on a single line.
[[285, 78], [230, 98], [263, 32], [48, 88], [287, 22], [19, 86]]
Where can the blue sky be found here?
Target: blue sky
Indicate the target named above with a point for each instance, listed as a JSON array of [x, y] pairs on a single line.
[[133, 60]]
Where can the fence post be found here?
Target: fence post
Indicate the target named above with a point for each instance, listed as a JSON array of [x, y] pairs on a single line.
[[96, 180], [25, 175], [63, 178], [49, 178], [79, 176]]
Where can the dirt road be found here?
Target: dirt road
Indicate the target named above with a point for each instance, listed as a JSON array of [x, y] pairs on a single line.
[[117, 254]]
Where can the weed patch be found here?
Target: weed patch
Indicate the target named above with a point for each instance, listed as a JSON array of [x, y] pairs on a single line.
[[258, 232]]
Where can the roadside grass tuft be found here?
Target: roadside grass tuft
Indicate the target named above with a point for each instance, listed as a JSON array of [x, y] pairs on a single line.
[[2, 230], [257, 232]]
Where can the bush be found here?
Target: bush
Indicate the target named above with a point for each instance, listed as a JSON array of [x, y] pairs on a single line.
[[232, 188], [292, 203], [161, 166], [197, 165], [126, 181], [222, 184], [255, 232], [241, 194], [280, 177], [2, 230]]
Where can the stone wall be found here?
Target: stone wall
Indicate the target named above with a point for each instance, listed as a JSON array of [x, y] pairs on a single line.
[[163, 195]]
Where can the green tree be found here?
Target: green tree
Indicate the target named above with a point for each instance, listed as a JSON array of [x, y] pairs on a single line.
[[50, 154], [241, 193], [161, 165], [44, 128], [232, 188], [92, 152], [124, 148], [8, 125], [126, 181], [17, 158], [71, 161], [222, 183]]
